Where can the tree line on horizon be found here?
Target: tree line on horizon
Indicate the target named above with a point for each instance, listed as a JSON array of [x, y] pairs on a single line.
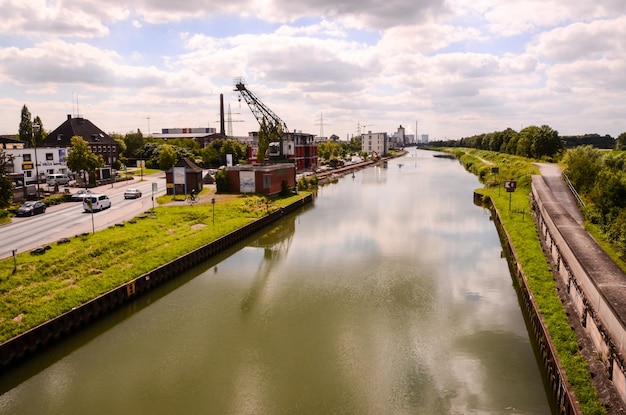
[[534, 142]]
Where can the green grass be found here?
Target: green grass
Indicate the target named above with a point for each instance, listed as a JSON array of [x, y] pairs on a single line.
[[71, 274], [516, 216]]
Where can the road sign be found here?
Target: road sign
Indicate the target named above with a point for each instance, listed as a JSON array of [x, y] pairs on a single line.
[[510, 185]]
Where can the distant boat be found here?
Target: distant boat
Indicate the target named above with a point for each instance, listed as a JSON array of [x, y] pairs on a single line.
[[444, 156]]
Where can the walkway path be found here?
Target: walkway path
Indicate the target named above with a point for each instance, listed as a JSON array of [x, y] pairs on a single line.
[[552, 175]]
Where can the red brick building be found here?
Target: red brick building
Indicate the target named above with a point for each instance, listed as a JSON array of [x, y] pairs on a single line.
[[269, 179], [184, 177]]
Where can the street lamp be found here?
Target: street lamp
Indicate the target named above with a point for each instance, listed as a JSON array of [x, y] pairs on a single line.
[[36, 127]]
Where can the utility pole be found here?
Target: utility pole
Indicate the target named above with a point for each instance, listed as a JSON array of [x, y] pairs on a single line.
[[321, 123], [36, 127]]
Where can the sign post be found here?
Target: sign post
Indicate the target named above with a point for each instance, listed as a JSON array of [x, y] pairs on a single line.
[[510, 186], [213, 203], [154, 190], [495, 171]]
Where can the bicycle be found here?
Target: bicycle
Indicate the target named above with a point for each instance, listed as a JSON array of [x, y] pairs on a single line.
[[191, 198]]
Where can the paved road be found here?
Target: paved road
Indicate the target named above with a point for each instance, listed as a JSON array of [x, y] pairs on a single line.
[[552, 175], [69, 219]]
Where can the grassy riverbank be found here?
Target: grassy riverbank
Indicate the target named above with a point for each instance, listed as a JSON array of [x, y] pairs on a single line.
[[41, 287], [517, 218]]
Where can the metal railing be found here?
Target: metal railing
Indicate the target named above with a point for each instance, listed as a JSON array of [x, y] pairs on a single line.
[[573, 190]]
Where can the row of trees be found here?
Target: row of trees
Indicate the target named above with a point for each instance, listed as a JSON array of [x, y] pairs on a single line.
[[600, 179], [334, 149], [533, 142]]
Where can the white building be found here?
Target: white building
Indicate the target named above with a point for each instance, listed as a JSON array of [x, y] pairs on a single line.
[[47, 160], [424, 139], [377, 143], [398, 139]]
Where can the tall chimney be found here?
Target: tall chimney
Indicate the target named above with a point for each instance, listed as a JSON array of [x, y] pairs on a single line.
[[222, 129]]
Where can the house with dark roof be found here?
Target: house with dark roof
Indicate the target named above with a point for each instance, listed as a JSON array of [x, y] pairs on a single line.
[[99, 141]]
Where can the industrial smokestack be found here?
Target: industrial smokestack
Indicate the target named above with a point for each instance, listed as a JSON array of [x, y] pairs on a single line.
[[222, 129]]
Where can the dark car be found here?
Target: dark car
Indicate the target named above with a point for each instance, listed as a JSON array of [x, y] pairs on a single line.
[[80, 195], [31, 208]]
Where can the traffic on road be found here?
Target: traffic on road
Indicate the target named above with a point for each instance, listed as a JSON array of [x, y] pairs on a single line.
[[71, 218]]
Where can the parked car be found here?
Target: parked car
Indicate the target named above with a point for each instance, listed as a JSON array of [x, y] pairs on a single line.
[[57, 179], [80, 195], [93, 203], [31, 208], [132, 194]]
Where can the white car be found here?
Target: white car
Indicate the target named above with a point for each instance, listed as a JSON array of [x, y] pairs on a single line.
[[93, 203], [132, 194]]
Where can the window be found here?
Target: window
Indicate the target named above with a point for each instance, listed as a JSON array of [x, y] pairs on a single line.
[[49, 157], [27, 157]]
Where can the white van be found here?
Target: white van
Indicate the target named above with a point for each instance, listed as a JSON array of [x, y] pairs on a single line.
[[54, 179], [93, 203]]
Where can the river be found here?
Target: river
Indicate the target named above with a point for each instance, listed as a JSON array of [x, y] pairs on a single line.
[[387, 296]]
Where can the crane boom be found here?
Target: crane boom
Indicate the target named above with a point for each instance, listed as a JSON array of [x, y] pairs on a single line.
[[261, 112]]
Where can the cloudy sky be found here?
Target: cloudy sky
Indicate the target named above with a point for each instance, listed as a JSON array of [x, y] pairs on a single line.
[[454, 68]]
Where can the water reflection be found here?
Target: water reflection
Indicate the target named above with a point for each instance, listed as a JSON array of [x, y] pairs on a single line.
[[388, 297]]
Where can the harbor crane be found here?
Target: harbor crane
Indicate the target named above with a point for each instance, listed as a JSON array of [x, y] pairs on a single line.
[[265, 116]]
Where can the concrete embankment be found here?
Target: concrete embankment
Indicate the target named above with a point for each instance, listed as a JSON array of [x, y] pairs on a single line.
[[560, 392], [591, 280], [38, 338]]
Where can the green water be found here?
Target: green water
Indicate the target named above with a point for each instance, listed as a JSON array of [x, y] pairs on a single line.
[[387, 296]]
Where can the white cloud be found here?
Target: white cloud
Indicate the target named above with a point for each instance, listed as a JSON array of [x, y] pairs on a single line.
[[460, 68]]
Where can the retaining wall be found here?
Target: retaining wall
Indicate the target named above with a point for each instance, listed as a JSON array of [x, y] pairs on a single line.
[[561, 394], [36, 339], [594, 283]]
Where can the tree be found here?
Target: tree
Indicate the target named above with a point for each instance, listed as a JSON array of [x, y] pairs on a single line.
[[26, 126], [234, 147], [263, 143], [38, 131], [134, 144], [621, 142], [609, 194], [511, 141], [214, 155], [81, 158], [121, 159], [524, 144], [355, 144], [546, 142], [6, 183], [167, 157], [583, 166], [329, 150]]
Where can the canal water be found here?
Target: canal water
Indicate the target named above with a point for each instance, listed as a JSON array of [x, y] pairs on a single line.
[[387, 296]]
